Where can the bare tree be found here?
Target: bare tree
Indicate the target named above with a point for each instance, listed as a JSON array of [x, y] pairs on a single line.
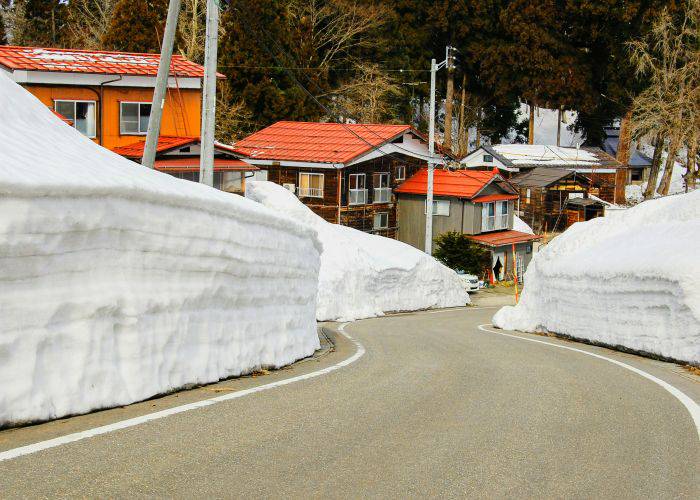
[[192, 29], [231, 115], [368, 96], [331, 28], [88, 21], [668, 58]]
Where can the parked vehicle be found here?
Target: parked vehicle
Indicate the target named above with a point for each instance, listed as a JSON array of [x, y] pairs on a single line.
[[471, 282]]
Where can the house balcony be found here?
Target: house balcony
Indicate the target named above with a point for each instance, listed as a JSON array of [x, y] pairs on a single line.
[[310, 192]]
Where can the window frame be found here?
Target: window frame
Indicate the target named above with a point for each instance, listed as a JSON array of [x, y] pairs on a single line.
[[437, 203], [363, 189], [374, 221], [138, 117], [490, 160], [74, 119], [400, 168], [311, 174], [381, 188]]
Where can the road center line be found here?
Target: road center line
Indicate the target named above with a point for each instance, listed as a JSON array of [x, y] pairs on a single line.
[[687, 401], [78, 436]]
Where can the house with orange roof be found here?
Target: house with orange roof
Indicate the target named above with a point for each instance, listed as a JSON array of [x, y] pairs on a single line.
[[107, 97], [345, 173], [479, 204]]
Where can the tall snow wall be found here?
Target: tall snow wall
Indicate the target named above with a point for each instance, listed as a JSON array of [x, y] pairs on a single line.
[[631, 279], [118, 283], [364, 275]]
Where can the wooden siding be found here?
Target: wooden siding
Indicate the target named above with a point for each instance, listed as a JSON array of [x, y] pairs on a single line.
[[181, 113], [335, 206]]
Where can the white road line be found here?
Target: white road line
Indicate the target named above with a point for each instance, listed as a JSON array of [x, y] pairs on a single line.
[[78, 436], [687, 401]]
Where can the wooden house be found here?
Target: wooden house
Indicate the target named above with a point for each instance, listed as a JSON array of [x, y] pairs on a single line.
[[545, 195], [346, 173], [639, 164], [479, 204], [179, 157], [606, 175], [107, 96]]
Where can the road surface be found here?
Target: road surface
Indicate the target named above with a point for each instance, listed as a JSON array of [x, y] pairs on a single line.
[[435, 407]]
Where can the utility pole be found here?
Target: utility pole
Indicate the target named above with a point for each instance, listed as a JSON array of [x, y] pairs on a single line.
[[206, 155], [559, 126], [434, 67], [166, 52], [449, 98]]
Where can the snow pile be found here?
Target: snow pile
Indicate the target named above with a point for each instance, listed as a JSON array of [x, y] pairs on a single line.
[[118, 283], [629, 280], [528, 154], [521, 226], [364, 275], [634, 194]]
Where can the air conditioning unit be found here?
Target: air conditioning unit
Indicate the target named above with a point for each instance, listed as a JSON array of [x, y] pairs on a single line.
[[289, 186]]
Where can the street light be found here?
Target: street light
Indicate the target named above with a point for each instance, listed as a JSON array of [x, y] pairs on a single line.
[[434, 67]]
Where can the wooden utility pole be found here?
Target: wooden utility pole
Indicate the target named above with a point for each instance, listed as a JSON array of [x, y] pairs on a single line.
[[449, 101], [462, 132], [166, 52], [531, 125]]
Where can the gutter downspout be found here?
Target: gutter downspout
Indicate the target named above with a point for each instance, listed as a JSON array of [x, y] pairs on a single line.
[[102, 105]]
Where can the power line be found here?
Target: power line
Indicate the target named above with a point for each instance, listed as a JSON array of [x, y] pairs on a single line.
[[321, 68]]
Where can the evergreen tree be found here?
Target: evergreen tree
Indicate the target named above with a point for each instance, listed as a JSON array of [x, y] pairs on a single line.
[[458, 252], [39, 23], [3, 33], [137, 26]]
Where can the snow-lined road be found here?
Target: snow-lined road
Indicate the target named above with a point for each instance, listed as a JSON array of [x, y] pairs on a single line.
[[435, 407]]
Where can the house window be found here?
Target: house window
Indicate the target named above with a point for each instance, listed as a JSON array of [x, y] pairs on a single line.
[[133, 117], [488, 158], [636, 174], [527, 196], [440, 207], [503, 215], [381, 220], [488, 217], [81, 113], [380, 183], [310, 185], [358, 193], [401, 172]]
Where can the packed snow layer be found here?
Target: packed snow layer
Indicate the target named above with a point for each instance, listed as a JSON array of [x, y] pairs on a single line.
[[629, 280], [521, 226], [118, 283], [364, 275]]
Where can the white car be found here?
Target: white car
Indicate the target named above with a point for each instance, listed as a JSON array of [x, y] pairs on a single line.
[[471, 282]]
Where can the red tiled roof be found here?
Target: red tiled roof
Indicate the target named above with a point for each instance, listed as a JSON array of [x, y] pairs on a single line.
[[495, 197], [500, 238], [165, 142], [316, 142], [192, 165], [93, 61], [460, 183]]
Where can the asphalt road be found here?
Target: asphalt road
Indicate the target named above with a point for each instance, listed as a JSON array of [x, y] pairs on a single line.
[[434, 408]]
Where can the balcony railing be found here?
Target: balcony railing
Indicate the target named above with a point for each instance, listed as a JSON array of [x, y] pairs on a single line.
[[382, 195], [310, 192], [358, 196]]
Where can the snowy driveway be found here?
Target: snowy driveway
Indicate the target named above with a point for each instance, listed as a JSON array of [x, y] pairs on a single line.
[[435, 407]]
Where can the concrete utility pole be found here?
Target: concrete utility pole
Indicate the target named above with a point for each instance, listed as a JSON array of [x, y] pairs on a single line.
[[166, 52], [434, 67], [206, 156]]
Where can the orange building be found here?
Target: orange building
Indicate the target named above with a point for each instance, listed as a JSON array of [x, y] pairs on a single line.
[[107, 96]]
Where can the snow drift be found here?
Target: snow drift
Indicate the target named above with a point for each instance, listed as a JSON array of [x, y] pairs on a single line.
[[364, 275], [629, 280], [118, 282]]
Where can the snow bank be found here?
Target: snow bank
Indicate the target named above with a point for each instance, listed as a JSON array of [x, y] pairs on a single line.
[[364, 275], [118, 282], [629, 280], [521, 225]]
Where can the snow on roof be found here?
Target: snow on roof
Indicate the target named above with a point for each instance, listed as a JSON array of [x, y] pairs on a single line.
[[460, 183], [537, 154], [317, 142], [93, 61]]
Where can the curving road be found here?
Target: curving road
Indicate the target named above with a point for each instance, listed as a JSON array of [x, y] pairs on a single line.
[[434, 408]]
